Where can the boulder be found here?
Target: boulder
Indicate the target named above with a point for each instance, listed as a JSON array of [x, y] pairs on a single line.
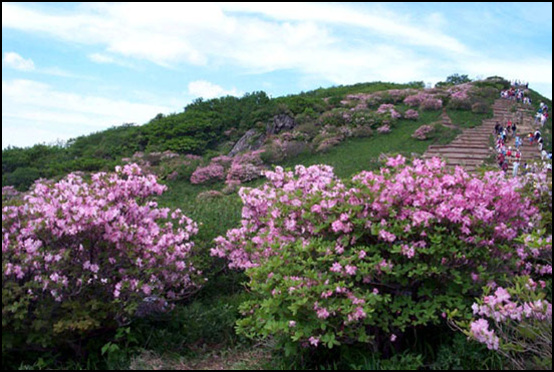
[[251, 141], [280, 123]]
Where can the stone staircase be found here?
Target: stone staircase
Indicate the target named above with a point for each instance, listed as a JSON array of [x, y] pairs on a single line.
[[473, 146]]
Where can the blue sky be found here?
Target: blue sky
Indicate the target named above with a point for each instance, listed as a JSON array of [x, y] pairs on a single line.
[[72, 69]]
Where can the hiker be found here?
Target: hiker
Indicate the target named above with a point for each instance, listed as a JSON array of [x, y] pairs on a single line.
[[540, 141], [544, 117], [537, 135], [538, 118], [518, 142], [514, 129], [497, 128]]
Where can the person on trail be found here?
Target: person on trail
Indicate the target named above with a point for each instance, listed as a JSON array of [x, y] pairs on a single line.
[[518, 142], [537, 135], [497, 128], [538, 117], [514, 129]]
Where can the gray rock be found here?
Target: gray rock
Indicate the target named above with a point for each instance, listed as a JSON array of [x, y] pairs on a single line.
[[251, 141], [280, 123]]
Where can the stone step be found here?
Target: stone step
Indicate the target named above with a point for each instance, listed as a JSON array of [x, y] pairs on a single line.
[[457, 157], [473, 146]]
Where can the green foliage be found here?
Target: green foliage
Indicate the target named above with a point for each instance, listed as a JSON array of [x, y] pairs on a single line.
[[455, 79], [459, 354]]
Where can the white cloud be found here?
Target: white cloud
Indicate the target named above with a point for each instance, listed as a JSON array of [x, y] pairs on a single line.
[[55, 114], [15, 61], [256, 37], [205, 89]]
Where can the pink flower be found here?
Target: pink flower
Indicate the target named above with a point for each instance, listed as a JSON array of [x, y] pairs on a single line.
[[314, 341], [323, 313], [350, 269], [393, 337], [387, 236], [336, 268]]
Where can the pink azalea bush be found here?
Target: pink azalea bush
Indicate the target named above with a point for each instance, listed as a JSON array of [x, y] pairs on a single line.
[[411, 114], [373, 256], [422, 132], [516, 321], [245, 168], [415, 100], [384, 129], [212, 173], [389, 109], [82, 255], [431, 104]]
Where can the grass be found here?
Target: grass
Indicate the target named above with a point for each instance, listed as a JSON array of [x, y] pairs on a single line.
[[467, 119], [357, 154]]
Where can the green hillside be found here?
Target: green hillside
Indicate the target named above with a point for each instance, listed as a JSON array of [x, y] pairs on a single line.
[[347, 127]]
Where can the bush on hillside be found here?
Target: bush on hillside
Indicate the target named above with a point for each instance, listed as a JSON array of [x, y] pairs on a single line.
[[334, 263], [80, 257]]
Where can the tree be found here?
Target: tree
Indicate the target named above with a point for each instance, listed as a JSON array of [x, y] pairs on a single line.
[[455, 79]]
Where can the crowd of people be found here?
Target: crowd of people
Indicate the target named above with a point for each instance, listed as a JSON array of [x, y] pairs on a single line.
[[516, 94], [507, 154], [504, 133]]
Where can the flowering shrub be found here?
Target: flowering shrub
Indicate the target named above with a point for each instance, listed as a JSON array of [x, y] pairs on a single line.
[[415, 100], [211, 173], [515, 321], [422, 132], [431, 104], [459, 98], [384, 129], [246, 167], [411, 114], [79, 256], [389, 109], [337, 263]]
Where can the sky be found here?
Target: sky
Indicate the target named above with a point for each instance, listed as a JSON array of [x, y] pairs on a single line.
[[70, 69]]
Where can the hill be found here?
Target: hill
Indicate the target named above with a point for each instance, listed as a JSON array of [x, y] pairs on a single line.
[[306, 125], [204, 153]]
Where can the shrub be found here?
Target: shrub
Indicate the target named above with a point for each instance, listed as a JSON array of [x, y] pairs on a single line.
[[329, 143], [212, 173], [422, 132], [332, 263], [245, 167], [82, 256], [431, 104], [411, 114], [384, 129], [480, 108], [516, 322], [415, 100], [335, 118], [389, 109], [362, 131]]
